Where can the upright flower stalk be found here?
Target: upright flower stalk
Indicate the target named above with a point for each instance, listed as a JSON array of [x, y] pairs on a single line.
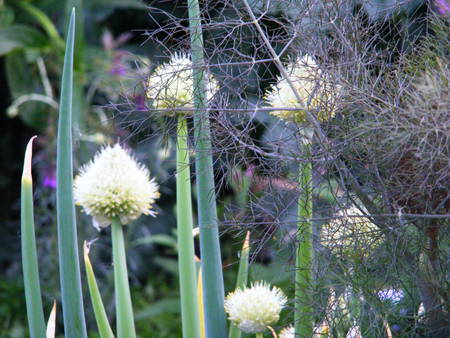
[[171, 87], [213, 288], [35, 313], [186, 254], [115, 190], [69, 269], [305, 87]]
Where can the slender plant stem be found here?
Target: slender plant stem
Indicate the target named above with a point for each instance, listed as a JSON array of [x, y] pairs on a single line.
[[186, 254], [71, 294], [213, 290], [259, 335], [35, 313], [303, 320], [124, 308], [241, 281]]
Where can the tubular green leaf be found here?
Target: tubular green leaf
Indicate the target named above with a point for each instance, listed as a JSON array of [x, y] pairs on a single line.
[[303, 319], [186, 254], [213, 290], [242, 279], [124, 308], [36, 321], [71, 294], [97, 304]]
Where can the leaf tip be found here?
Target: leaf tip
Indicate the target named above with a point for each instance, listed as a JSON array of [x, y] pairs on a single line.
[[26, 175], [246, 245]]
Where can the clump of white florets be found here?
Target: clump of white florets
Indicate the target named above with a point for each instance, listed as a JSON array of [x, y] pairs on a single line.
[[317, 93], [253, 309], [171, 85], [114, 184], [351, 234], [287, 332]]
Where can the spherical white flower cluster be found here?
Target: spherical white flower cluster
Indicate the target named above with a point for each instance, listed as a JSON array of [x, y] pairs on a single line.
[[351, 236], [315, 90], [253, 309], [113, 184], [171, 85], [287, 332]]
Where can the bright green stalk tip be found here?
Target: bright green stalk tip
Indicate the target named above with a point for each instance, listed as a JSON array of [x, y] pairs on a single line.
[[124, 308], [186, 253], [36, 321], [242, 279], [71, 294], [97, 304], [303, 319]]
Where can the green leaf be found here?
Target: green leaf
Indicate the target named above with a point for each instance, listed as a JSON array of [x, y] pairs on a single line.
[[166, 305], [71, 294], [20, 37], [97, 304], [36, 321], [6, 16]]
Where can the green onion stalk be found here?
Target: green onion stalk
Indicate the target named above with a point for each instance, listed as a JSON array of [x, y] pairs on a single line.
[[124, 308], [213, 289], [186, 254], [71, 292], [33, 298], [303, 321], [242, 279]]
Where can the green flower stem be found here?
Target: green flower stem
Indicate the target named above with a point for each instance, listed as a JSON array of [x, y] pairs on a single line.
[[259, 335], [186, 254], [36, 321], [124, 309], [242, 279], [97, 304], [213, 290], [303, 320], [71, 294]]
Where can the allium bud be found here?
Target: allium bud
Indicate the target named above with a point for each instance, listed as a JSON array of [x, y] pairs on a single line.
[[114, 184], [315, 90], [171, 85], [253, 309]]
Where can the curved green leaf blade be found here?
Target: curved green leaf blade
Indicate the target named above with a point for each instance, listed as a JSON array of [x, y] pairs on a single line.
[[36, 321]]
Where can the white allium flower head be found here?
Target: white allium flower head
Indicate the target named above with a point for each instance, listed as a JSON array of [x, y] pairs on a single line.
[[253, 309], [315, 90], [287, 332], [171, 84], [114, 184], [350, 235]]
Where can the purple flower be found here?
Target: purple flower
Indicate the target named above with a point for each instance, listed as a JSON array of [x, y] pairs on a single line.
[[139, 103], [49, 180], [118, 70], [443, 7]]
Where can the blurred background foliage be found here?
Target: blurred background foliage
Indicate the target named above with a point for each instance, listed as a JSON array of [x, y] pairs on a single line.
[[122, 42]]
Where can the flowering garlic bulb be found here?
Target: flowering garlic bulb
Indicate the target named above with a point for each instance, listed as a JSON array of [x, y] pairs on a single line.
[[287, 332], [253, 309], [350, 236], [313, 88], [171, 84], [113, 184]]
